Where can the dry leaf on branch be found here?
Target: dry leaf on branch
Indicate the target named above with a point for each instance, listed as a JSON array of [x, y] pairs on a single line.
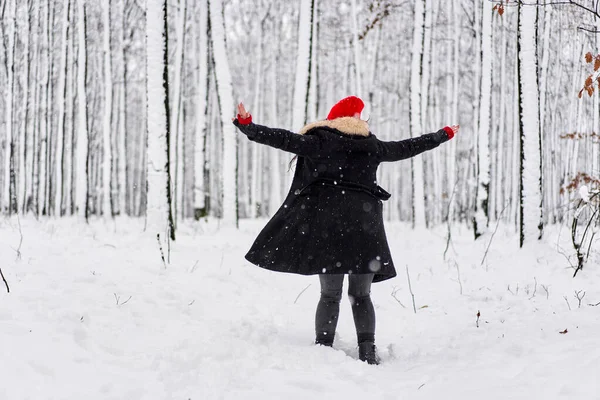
[[588, 57], [499, 8]]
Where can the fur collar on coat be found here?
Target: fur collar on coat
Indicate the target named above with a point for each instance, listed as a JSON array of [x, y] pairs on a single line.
[[347, 125]]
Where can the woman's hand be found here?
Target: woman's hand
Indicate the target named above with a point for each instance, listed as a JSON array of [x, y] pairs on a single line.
[[242, 111], [243, 116], [451, 130], [455, 129]]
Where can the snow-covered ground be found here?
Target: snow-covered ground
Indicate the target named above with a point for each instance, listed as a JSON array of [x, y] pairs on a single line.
[[94, 314]]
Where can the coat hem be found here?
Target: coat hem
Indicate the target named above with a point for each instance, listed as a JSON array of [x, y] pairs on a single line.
[[274, 268]]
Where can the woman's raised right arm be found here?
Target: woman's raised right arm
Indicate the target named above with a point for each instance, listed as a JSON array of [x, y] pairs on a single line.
[[303, 145]]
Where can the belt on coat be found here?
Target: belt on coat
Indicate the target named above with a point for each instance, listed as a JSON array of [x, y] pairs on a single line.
[[378, 192]]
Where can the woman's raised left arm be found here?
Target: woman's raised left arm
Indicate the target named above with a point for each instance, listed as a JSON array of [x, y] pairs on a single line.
[[403, 149]]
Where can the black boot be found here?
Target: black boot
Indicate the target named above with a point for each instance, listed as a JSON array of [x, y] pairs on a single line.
[[368, 352], [320, 340]]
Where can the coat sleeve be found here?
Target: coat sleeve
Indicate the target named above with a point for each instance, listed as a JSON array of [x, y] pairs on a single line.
[[400, 150], [302, 145]]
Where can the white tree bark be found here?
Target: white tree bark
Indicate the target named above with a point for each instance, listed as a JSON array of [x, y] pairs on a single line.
[[416, 126], [201, 108], [357, 50], [61, 109], [275, 166], [313, 90], [11, 12], [302, 65], [177, 154], [24, 155], [227, 106], [483, 159], [531, 212], [106, 132], [500, 178], [157, 209]]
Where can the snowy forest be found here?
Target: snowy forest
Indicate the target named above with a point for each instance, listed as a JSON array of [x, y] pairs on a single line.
[[76, 104], [129, 200]]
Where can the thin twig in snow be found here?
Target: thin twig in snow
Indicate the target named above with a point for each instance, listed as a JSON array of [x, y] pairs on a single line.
[[493, 234], [458, 274], [579, 296], [595, 305], [448, 242], [411, 292], [561, 251], [194, 266], [300, 294], [394, 291], [567, 300], [547, 290], [118, 299], [534, 289]]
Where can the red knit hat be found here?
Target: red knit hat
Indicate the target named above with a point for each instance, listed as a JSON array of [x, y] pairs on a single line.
[[346, 107]]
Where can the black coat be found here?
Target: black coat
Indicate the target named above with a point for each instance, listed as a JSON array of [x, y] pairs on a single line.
[[331, 221]]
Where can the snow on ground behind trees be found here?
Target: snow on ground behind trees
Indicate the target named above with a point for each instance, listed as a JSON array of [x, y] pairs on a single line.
[[93, 313]]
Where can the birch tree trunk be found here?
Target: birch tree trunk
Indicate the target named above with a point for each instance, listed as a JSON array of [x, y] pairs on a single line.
[[302, 82], [227, 106], [357, 50], [177, 155], [312, 103], [201, 114], [275, 168], [68, 155], [24, 155], [158, 210], [500, 180], [416, 126], [61, 88], [8, 144], [81, 187], [530, 175], [108, 90], [481, 219]]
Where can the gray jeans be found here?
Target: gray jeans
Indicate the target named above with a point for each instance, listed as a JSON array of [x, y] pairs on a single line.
[[328, 309]]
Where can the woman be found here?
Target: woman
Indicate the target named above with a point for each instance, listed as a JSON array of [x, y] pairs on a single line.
[[331, 222]]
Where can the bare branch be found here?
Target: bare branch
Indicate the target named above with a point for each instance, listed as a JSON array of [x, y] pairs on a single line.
[[394, 291], [579, 296], [493, 233], [534, 288], [547, 290], [300, 294], [411, 292]]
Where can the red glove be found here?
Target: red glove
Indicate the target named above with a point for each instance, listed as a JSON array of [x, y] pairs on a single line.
[[449, 132], [244, 121]]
